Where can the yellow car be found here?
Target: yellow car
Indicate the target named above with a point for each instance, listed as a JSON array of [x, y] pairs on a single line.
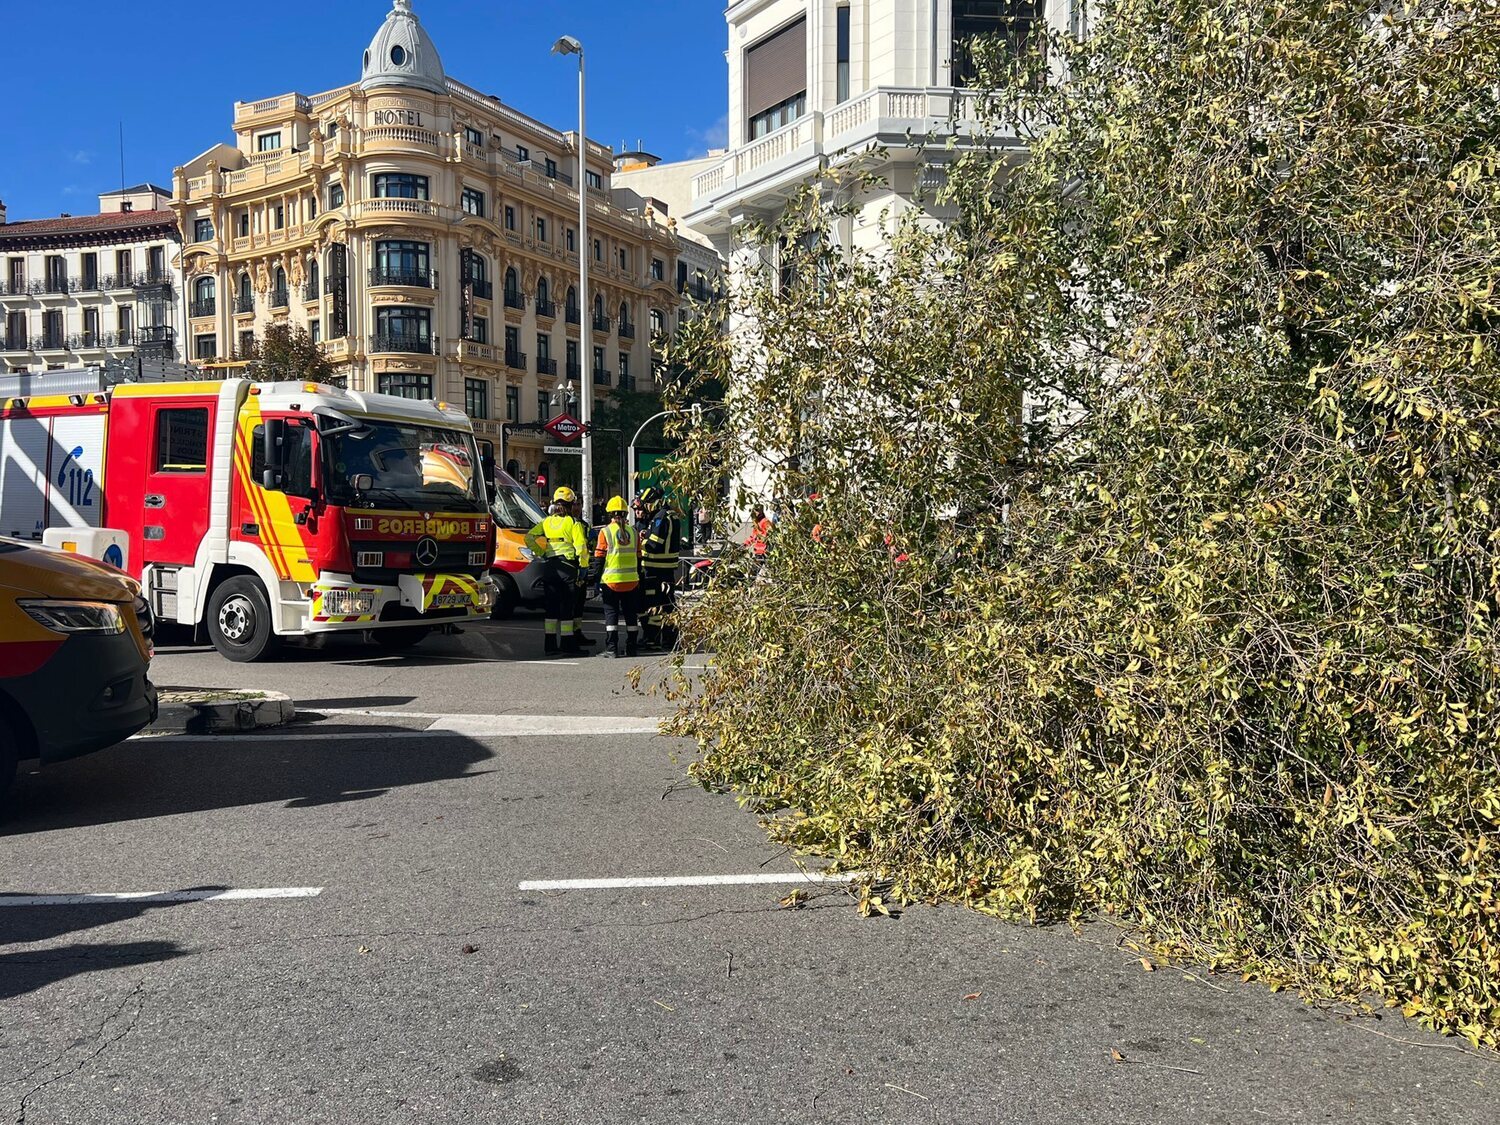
[[75, 647], [516, 572]]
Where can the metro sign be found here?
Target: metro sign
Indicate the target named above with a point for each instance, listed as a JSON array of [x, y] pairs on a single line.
[[565, 428]]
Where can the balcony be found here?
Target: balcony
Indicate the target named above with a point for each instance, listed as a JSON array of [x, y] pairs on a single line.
[[279, 298], [118, 281], [206, 307], [310, 292], [155, 334], [245, 304], [474, 349], [574, 314], [514, 300], [483, 290], [546, 308], [15, 344], [49, 342], [415, 278], [89, 283], [575, 371], [627, 382], [515, 360], [57, 287], [602, 377], [627, 331], [152, 279], [406, 343], [602, 323], [546, 365]]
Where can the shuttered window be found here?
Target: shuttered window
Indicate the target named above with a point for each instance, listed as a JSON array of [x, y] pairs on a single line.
[[776, 69]]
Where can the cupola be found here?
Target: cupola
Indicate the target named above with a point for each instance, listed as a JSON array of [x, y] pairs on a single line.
[[402, 54]]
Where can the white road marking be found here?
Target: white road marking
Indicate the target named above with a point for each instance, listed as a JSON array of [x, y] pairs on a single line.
[[683, 881], [439, 726], [502, 726], [225, 895]]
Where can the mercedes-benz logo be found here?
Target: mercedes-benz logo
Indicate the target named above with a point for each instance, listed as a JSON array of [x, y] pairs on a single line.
[[427, 551]]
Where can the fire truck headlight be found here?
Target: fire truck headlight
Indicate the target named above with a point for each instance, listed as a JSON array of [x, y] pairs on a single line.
[[99, 618], [486, 595]]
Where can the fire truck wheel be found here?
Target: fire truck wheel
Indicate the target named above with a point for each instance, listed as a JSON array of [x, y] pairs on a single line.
[[239, 621], [407, 636]]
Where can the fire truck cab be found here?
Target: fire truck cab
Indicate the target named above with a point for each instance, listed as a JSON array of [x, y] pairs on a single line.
[[255, 512]]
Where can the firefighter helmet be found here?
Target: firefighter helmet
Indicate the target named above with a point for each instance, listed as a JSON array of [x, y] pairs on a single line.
[[650, 498]]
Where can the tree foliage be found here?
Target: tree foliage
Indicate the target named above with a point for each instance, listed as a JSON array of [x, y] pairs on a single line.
[[287, 353], [1158, 553]]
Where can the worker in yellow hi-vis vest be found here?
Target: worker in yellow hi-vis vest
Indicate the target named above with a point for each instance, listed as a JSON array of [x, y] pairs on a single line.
[[617, 572], [559, 541]]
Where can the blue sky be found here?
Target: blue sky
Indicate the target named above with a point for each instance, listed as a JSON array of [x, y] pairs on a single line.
[[172, 70]]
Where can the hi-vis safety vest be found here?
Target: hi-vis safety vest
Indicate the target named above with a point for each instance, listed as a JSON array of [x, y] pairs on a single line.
[[558, 537], [620, 550]]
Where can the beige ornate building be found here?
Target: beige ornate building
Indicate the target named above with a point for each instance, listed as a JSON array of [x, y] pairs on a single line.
[[426, 234]]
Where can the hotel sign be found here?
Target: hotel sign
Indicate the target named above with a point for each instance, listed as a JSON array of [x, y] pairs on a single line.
[[395, 117]]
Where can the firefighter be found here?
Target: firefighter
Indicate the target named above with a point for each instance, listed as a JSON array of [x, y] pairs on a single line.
[[559, 541], [581, 590], [617, 573], [661, 542]]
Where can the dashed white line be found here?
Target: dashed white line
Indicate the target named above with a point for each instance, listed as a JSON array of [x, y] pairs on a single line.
[[643, 881], [223, 894]]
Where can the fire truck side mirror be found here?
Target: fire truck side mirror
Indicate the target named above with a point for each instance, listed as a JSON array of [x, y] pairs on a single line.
[[275, 454]]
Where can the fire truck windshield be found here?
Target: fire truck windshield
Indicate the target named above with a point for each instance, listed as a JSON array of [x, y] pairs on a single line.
[[400, 465]]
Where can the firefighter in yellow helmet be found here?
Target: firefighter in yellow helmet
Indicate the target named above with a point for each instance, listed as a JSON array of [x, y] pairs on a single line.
[[559, 541], [617, 572]]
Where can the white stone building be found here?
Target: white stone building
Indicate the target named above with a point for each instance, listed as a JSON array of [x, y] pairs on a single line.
[[91, 289]]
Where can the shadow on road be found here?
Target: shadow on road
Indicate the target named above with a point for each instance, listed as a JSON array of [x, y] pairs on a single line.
[[147, 778]]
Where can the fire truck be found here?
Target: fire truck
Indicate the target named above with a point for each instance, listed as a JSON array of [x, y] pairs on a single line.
[[256, 512]]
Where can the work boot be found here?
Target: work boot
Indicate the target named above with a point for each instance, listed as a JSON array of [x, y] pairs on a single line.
[[611, 646], [584, 639], [631, 649], [549, 644], [570, 645]]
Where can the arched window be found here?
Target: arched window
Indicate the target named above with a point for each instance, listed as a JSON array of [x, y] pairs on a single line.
[[658, 322], [624, 314], [573, 302], [247, 293], [280, 282], [598, 306], [541, 291], [512, 283], [203, 289], [479, 269], [312, 279]]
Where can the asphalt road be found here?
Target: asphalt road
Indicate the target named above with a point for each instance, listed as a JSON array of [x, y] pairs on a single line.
[[421, 983]]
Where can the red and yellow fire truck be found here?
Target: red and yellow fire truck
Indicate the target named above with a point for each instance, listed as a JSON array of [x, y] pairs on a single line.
[[257, 511]]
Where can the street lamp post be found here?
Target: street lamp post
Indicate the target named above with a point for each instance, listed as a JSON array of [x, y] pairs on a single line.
[[568, 45]]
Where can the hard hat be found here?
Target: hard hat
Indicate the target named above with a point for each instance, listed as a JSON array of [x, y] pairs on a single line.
[[616, 504], [565, 494]]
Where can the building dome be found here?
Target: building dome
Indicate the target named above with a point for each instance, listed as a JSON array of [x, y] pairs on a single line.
[[402, 54]]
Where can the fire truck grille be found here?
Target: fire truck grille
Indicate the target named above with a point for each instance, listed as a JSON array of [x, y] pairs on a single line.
[[453, 558]]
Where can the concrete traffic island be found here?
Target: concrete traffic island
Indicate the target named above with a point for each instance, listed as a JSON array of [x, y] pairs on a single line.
[[214, 711]]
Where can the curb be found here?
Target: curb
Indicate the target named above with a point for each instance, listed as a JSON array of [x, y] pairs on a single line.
[[188, 711]]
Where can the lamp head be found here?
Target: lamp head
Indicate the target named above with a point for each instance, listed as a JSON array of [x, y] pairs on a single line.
[[567, 45]]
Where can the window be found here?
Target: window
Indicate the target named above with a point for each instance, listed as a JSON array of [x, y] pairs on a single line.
[[204, 291], [90, 263], [315, 331], [205, 347], [523, 153], [278, 217], [543, 345], [182, 440], [331, 129], [512, 339], [242, 229], [125, 322], [594, 180], [473, 202], [91, 327], [512, 404], [479, 329], [624, 314], [1011, 21], [268, 142], [510, 218], [398, 55], [658, 322], [572, 357], [406, 386], [400, 262], [124, 267], [543, 406], [512, 288], [682, 271], [572, 241], [841, 67], [598, 359], [335, 195], [246, 293], [15, 331], [541, 230], [598, 251], [658, 270], [203, 230], [476, 398], [399, 185], [403, 324], [776, 79], [543, 293], [312, 207], [551, 168], [473, 136], [247, 344], [624, 358]]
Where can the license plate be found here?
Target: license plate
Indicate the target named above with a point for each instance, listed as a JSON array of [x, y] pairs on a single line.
[[450, 601]]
